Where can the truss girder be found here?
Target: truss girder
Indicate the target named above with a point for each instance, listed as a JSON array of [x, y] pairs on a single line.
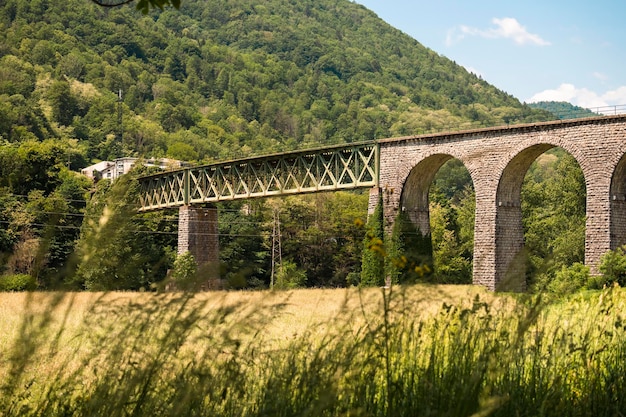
[[335, 168]]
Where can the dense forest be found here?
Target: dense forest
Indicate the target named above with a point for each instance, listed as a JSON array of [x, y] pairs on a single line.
[[563, 109], [214, 80]]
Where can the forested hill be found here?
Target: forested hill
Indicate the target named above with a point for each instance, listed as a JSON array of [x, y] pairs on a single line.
[[221, 78], [563, 109]]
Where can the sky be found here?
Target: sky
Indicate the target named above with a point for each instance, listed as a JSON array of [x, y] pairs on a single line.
[[535, 50]]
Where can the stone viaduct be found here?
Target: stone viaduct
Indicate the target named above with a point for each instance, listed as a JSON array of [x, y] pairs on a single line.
[[497, 160]]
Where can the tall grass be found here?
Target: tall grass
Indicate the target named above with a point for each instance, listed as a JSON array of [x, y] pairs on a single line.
[[371, 353]]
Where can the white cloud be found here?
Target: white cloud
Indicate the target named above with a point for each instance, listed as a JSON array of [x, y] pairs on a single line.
[[581, 96], [506, 28], [617, 96]]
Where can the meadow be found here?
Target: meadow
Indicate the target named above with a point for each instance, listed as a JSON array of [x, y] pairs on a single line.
[[420, 350]]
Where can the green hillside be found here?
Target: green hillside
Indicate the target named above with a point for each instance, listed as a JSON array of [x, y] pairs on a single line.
[[563, 109], [222, 78]]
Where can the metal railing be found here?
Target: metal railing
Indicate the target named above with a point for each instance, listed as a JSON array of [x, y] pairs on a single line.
[[590, 112]]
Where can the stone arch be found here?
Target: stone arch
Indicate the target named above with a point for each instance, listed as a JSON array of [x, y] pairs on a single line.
[[414, 198], [618, 205], [510, 257]]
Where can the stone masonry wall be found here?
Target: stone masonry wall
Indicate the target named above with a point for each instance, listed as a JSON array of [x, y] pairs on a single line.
[[198, 233]]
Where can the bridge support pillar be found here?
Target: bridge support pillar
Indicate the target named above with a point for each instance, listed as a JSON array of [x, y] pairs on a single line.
[[373, 200], [198, 235], [510, 261]]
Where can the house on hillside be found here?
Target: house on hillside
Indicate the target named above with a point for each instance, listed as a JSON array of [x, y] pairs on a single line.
[[120, 166]]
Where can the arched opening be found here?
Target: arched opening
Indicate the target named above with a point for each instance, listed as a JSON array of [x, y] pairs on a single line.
[[540, 223], [618, 205], [438, 198]]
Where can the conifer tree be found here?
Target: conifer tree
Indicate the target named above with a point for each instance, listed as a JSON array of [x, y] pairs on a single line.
[[410, 252], [373, 260]]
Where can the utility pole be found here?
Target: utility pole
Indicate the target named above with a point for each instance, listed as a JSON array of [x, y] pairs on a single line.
[[119, 115], [277, 253]]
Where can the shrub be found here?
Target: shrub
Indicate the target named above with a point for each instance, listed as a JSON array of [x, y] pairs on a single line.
[[613, 268], [184, 272], [410, 252], [373, 257], [570, 279], [17, 282], [289, 276]]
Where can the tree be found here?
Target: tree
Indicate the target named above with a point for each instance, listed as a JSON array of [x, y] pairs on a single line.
[[410, 252], [64, 104], [373, 260], [117, 250], [184, 271], [244, 260], [553, 208], [143, 5]]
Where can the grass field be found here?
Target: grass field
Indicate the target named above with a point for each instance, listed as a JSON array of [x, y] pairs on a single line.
[[420, 350]]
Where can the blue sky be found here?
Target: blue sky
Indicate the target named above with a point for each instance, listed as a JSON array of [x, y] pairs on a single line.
[[536, 50]]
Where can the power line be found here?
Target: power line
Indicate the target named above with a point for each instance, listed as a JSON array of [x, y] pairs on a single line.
[[156, 232]]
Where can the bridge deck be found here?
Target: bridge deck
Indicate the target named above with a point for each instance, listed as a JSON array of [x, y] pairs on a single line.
[[324, 169]]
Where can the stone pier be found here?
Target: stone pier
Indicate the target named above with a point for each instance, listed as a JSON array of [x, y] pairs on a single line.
[[198, 234]]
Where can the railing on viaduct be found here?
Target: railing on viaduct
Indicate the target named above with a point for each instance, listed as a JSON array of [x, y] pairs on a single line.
[[325, 169]]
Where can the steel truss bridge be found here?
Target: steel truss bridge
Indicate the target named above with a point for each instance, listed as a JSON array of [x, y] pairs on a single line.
[[324, 169]]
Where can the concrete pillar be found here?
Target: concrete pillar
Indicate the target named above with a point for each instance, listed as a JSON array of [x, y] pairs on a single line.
[[198, 234]]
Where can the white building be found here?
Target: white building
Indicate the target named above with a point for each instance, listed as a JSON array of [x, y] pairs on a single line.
[[120, 166]]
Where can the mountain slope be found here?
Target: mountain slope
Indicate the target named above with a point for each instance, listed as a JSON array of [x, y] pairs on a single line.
[[563, 109], [219, 78]]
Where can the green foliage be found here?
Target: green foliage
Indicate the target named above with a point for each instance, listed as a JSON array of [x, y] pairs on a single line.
[[373, 261], [320, 233], [288, 276], [450, 183], [562, 109], [116, 250], [215, 80], [570, 279], [17, 282], [453, 238], [146, 5], [452, 211], [246, 78], [64, 104], [553, 209], [184, 271], [613, 267], [244, 258], [409, 257], [40, 208]]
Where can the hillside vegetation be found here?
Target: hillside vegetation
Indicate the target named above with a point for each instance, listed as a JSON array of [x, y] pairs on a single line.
[[563, 110], [218, 78]]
